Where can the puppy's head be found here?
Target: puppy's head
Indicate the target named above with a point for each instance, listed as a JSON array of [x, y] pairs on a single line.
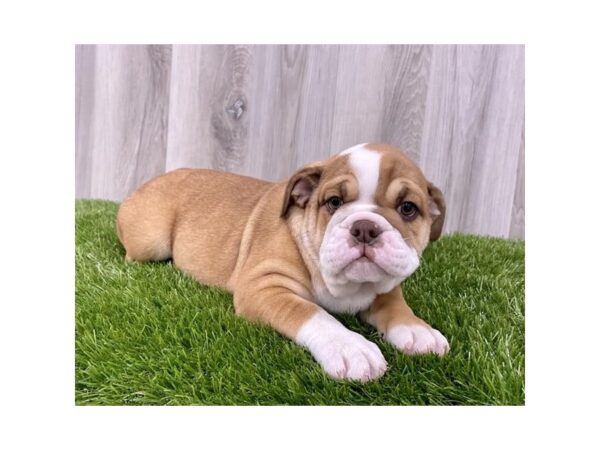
[[363, 216]]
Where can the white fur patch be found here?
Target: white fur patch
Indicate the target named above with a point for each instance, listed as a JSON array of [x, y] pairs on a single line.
[[417, 339], [349, 298], [342, 353], [365, 165]]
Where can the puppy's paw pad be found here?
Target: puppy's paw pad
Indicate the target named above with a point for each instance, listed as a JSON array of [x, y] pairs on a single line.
[[418, 339]]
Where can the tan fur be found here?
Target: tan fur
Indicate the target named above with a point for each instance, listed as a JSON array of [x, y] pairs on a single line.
[[260, 240], [224, 230], [389, 310]]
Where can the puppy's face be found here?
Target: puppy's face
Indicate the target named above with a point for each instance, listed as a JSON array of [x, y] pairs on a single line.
[[364, 216]]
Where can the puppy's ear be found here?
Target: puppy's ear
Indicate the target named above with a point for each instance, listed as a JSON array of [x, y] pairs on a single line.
[[300, 187], [437, 209]]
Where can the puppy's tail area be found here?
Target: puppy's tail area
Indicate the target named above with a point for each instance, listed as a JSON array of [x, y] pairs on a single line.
[[146, 219]]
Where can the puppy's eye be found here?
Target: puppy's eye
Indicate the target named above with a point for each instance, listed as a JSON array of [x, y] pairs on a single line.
[[408, 210], [333, 203]]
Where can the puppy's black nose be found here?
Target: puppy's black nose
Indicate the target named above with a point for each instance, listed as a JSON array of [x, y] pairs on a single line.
[[365, 231]]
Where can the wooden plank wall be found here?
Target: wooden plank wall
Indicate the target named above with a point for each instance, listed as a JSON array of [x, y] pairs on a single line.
[[265, 110]]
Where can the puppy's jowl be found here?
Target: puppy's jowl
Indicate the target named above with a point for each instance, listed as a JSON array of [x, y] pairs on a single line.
[[339, 236]]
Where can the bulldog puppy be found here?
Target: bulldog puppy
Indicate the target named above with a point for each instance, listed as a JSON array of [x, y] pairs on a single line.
[[339, 236]]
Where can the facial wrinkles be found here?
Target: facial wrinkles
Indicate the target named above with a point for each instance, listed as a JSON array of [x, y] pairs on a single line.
[[303, 233], [310, 233]]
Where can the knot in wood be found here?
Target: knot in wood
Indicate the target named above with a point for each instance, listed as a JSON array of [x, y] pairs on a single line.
[[237, 109]]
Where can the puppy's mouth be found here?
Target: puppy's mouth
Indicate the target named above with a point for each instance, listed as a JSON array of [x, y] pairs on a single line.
[[364, 268], [362, 257], [366, 255]]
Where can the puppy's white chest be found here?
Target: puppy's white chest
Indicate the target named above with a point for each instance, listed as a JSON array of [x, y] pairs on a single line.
[[350, 303]]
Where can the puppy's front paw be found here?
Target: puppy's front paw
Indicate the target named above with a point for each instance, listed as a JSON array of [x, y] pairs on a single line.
[[417, 339], [343, 354], [351, 357]]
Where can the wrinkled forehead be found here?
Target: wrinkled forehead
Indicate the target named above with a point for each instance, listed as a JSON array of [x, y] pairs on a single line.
[[371, 172]]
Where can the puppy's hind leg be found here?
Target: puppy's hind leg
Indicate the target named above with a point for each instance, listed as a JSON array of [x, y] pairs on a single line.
[[144, 226]]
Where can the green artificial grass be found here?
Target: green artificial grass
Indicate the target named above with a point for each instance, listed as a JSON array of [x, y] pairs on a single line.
[[148, 335]]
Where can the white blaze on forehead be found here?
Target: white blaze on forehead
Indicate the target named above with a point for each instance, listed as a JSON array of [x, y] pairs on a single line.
[[365, 165]]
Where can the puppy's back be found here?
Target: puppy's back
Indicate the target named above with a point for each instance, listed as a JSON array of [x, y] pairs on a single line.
[[181, 215]]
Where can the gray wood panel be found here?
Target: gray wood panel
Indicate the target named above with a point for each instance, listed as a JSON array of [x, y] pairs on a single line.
[[292, 105], [209, 101], [127, 131], [265, 110], [85, 71], [472, 134], [380, 96], [407, 80], [359, 96], [517, 223]]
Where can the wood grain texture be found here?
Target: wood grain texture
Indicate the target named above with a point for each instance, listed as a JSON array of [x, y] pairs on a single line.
[[127, 131], [85, 69], [209, 100], [517, 222], [380, 96], [291, 108], [472, 134], [407, 76], [359, 96], [265, 110]]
